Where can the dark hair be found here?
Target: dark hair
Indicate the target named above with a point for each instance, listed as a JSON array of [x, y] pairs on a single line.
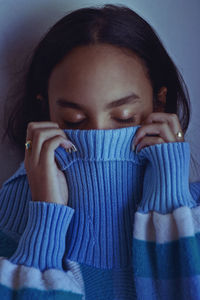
[[117, 25]]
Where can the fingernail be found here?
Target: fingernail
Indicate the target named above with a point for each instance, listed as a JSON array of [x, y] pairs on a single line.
[[74, 148], [136, 149], [68, 150]]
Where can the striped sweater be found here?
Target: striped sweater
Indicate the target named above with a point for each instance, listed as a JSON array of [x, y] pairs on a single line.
[[131, 229]]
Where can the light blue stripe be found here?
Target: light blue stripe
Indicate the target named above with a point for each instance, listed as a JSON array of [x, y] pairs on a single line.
[[166, 261]]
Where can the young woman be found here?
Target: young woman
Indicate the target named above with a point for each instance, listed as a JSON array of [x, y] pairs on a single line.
[[102, 207]]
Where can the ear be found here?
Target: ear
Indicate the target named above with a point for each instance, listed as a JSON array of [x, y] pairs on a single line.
[[41, 101], [43, 108], [39, 97], [161, 100]]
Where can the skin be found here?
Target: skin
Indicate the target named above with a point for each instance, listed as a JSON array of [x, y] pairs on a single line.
[[91, 78]]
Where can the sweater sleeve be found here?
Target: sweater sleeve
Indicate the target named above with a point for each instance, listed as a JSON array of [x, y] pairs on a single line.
[[166, 234], [32, 250]]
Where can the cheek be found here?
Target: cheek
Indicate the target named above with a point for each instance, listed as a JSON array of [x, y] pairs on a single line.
[[145, 114]]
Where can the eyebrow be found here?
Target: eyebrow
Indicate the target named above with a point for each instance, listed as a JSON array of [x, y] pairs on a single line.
[[132, 98]]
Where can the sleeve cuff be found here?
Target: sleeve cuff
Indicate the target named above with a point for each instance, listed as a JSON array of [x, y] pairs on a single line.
[[166, 178], [42, 244]]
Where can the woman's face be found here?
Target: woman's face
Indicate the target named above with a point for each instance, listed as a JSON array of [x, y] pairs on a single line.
[[99, 87]]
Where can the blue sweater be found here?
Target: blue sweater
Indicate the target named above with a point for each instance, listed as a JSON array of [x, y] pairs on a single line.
[[131, 229]]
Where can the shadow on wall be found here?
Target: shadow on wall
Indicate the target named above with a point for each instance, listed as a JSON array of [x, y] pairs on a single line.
[[17, 42]]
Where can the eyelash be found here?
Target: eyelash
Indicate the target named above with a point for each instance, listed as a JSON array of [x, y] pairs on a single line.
[[130, 120]]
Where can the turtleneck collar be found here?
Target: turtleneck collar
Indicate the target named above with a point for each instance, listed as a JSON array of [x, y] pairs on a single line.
[[104, 180], [97, 145]]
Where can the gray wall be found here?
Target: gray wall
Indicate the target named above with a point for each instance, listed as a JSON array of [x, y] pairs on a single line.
[[23, 22]]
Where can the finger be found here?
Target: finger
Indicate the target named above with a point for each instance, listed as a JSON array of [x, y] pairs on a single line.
[[41, 135], [34, 125], [171, 119], [160, 129], [29, 136], [47, 154], [149, 141]]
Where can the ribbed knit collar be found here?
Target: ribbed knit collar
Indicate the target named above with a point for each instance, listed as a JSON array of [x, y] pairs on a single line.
[[104, 180], [94, 144], [103, 144]]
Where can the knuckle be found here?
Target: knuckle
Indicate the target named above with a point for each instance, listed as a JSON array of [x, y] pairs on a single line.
[[47, 133], [173, 116], [160, 140], [58, 131], [56, 124], [30, 126], [58, 134], [52, 124]]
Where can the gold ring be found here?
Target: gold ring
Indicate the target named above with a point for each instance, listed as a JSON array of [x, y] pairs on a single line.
[[179, 134], [28, 145]]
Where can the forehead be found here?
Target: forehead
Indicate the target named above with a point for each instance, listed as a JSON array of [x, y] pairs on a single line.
[[104, 69]]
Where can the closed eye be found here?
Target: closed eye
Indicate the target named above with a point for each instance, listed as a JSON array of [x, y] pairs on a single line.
[[71, 124], [130, 120]]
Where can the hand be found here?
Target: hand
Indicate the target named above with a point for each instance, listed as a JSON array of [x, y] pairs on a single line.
[[158, 128], [47, 182]]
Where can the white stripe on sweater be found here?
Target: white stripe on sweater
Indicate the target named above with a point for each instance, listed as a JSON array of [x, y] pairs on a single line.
[[18, 276], [153, 226]]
